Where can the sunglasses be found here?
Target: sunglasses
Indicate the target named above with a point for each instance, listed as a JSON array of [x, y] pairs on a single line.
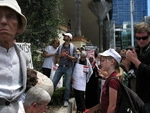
[[143, 38]]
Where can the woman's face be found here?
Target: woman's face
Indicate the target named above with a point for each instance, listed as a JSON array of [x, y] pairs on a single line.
[[91, 59], [105, 63], [8, 23], [55, 44]]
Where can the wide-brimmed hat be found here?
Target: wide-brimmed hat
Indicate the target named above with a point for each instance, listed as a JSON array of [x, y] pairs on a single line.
[[14, 6], [112, 53]]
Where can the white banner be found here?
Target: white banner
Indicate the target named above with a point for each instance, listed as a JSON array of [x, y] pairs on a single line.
[[26, 47]]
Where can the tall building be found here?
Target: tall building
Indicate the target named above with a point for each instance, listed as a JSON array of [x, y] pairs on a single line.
[[121, 11], [122, 18]]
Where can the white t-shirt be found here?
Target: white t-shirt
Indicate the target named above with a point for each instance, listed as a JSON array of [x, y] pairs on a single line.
[[49, 61]]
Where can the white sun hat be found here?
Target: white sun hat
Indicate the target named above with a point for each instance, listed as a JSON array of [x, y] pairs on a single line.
[[112, 53], [68, 34], [14, 6]]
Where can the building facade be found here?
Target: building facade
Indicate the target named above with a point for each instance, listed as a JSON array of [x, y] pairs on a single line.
[[122, 17], [121, 11]]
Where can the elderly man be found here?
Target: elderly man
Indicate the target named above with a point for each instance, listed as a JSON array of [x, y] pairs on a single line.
[[13, 63], [36, 100], [140, 57], [67, 54], [80, 79]]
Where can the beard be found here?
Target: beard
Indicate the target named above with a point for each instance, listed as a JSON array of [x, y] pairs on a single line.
[[65, 39]]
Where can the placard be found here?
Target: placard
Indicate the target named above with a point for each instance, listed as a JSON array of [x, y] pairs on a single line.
[[26, 47]]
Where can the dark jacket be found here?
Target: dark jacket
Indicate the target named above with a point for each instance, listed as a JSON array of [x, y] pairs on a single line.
[[143, 74]]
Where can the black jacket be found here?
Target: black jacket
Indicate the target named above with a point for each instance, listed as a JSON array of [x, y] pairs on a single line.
[[143, 74]]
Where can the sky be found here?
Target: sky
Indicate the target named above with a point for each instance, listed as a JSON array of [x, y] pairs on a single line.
[[148, 7]]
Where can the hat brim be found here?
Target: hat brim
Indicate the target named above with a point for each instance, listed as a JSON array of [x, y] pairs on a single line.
[[67, 35], [23, 18], [104, 54], [63, 34]]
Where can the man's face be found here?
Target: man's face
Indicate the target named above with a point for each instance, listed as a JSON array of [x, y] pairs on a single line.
[[66, 38], [39, 108], [83, 58], [143, 39], [8, 23]]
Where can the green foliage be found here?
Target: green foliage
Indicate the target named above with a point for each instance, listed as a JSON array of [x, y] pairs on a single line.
[[58, 96], [43, 19]]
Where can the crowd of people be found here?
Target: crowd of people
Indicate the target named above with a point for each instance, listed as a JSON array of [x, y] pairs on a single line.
[[81, 72], [130, 65]]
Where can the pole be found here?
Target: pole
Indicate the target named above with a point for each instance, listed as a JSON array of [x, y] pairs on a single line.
[[101, 35], [132, 29], [114, 35], [78, 17]]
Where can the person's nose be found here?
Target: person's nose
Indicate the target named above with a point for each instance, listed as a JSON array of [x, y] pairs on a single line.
[[3, 20]]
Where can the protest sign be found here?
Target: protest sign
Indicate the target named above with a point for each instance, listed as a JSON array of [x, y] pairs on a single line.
[[26, 47]]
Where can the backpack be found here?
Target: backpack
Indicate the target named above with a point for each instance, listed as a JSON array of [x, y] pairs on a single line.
[[130, 102]]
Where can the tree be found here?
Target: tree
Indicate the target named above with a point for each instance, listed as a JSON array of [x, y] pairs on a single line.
[[43, 17]]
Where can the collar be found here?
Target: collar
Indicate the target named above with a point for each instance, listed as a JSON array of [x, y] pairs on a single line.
[[146, 48], [66, 46]]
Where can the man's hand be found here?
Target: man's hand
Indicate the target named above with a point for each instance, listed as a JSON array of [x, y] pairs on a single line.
[[132, 56], [64, 53]]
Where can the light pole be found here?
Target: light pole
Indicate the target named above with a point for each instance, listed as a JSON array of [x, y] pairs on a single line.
[[132, 28]]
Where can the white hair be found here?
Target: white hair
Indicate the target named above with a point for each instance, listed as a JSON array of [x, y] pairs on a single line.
[[83, 53], [36, 95]]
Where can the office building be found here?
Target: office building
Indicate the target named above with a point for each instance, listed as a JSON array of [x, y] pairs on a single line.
[[121, 11], [122, 16]]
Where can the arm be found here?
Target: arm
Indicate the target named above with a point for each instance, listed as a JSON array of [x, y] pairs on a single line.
[[46, 55], [71, 57], [90, 71], [74, 56], [142, 66], [132, 56], [56, 60], [112, 100], [63, 53]]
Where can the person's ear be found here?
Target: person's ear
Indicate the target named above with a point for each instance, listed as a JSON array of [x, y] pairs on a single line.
[[34, 105], [112, 61]]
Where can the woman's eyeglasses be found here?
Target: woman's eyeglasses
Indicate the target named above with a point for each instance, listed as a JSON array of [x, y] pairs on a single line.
[[143, 38]]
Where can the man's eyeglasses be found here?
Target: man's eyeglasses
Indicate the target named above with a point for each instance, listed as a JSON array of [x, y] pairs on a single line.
[[143, 38]]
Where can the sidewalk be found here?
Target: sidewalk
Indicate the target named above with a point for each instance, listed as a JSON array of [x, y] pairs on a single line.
[[70, 109]]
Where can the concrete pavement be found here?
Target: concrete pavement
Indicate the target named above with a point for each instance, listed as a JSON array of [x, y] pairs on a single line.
[[70, 109]]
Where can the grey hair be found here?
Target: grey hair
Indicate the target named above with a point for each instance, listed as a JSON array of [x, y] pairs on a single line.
[[83, 53], [36, 95]]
